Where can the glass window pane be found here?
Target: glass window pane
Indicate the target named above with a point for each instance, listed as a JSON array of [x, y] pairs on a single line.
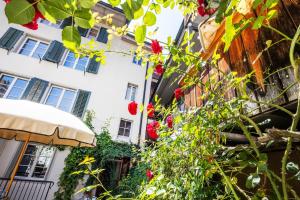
[[54, 96], [81, 63], [5, 82], [70, 60], [128, 92], [17, 89], [43, 162], [133, 91], [40, 50], [28, 47], [93, 33], [127, 132], [67, 101]]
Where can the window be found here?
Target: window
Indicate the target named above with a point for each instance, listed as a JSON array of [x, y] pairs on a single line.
[[33, 48], [103, 35], [36, 161], [124, 129], [61, 98], [131, 92], [135, 61], [12, 87], [76, 63], [93, 33], [46, 22]]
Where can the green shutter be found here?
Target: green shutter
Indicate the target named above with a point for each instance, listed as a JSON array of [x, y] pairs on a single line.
[[81, 103], [54, 52], [82, 31], [35, 90], [10, 38], [93, 66], [103, 35], [66, 22]]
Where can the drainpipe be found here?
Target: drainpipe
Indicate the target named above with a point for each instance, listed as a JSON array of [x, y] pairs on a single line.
[[142, 114]]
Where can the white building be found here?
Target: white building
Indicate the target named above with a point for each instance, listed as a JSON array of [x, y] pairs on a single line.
[[34, 65]]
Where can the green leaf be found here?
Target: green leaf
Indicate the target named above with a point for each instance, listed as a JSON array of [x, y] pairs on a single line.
[[58, 9], [139, 13], [256, 3], [114, 3], [140, 34], [71, 37], [252, 181], [84, 18], [157, 9], [271, 3], [87, 3], [292, 167], [268, 43], [127, 11], [19, 11], [149, 18], [146, 2], [258, 22], [229, 32], [271, 14], [45, 13]]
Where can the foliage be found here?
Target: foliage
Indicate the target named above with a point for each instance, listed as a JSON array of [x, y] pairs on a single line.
[[105, 150]]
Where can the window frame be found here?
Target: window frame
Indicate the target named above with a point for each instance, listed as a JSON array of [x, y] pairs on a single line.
[[35, 47], [39, 150], [60, 97], [57, 25], [131, 85], [98, 31], [15, 78], [76, 61], [124, 128]]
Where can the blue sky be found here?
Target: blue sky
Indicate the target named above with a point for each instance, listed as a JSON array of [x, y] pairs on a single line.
[[168, 23]]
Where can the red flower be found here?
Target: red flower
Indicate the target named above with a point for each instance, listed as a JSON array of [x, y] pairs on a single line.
[[211, 11], [38, 14], [159, 69], [32, 25], [150, 110], [201, 11], [151, 130], [170, 121], [178, 93], [149, 174], [156, 48], [200, 2], [7, 1], [132, 108]]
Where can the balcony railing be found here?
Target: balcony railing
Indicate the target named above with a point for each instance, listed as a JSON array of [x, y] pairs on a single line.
[[22, 189]]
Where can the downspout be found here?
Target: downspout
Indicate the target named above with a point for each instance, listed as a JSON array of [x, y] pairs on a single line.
[[142, 114]]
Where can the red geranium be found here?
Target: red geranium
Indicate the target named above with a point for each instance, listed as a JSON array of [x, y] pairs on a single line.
[[211, 11], [170, 121], [201, 11], [200, 2], [178, 93], [159, 69], [149, 174], [156, 48], [132, 107], [151, 130], [150, 110]]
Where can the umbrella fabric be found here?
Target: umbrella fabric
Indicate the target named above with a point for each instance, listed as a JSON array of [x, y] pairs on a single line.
[[44, 124]]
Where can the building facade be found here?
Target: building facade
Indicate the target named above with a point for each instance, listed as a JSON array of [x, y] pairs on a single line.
[[35, 66]]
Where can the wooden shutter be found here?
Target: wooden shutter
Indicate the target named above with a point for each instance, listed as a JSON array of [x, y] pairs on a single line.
[[54, 52], [10, 38], [103, 35], [82, 31], [93, 66], [66, 22], [81, 103], [35, 90]]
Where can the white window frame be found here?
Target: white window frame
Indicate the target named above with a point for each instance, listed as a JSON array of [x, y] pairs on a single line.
[[12, 84], [57, 25], [124, 136], [61, 96], [35, 47], [136, 91], [75, 63], [40, 148]]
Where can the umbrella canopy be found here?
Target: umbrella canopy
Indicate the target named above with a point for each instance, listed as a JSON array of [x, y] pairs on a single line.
[[21, 119]]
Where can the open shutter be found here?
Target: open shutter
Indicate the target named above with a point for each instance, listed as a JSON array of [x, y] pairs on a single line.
[[35, 90], [66, 22], [93, 66], [82, 31], [81, 103], [54, 52], [10, 38], [103, 35]]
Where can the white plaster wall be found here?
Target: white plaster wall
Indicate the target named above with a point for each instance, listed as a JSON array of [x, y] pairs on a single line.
[[108, 87]]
